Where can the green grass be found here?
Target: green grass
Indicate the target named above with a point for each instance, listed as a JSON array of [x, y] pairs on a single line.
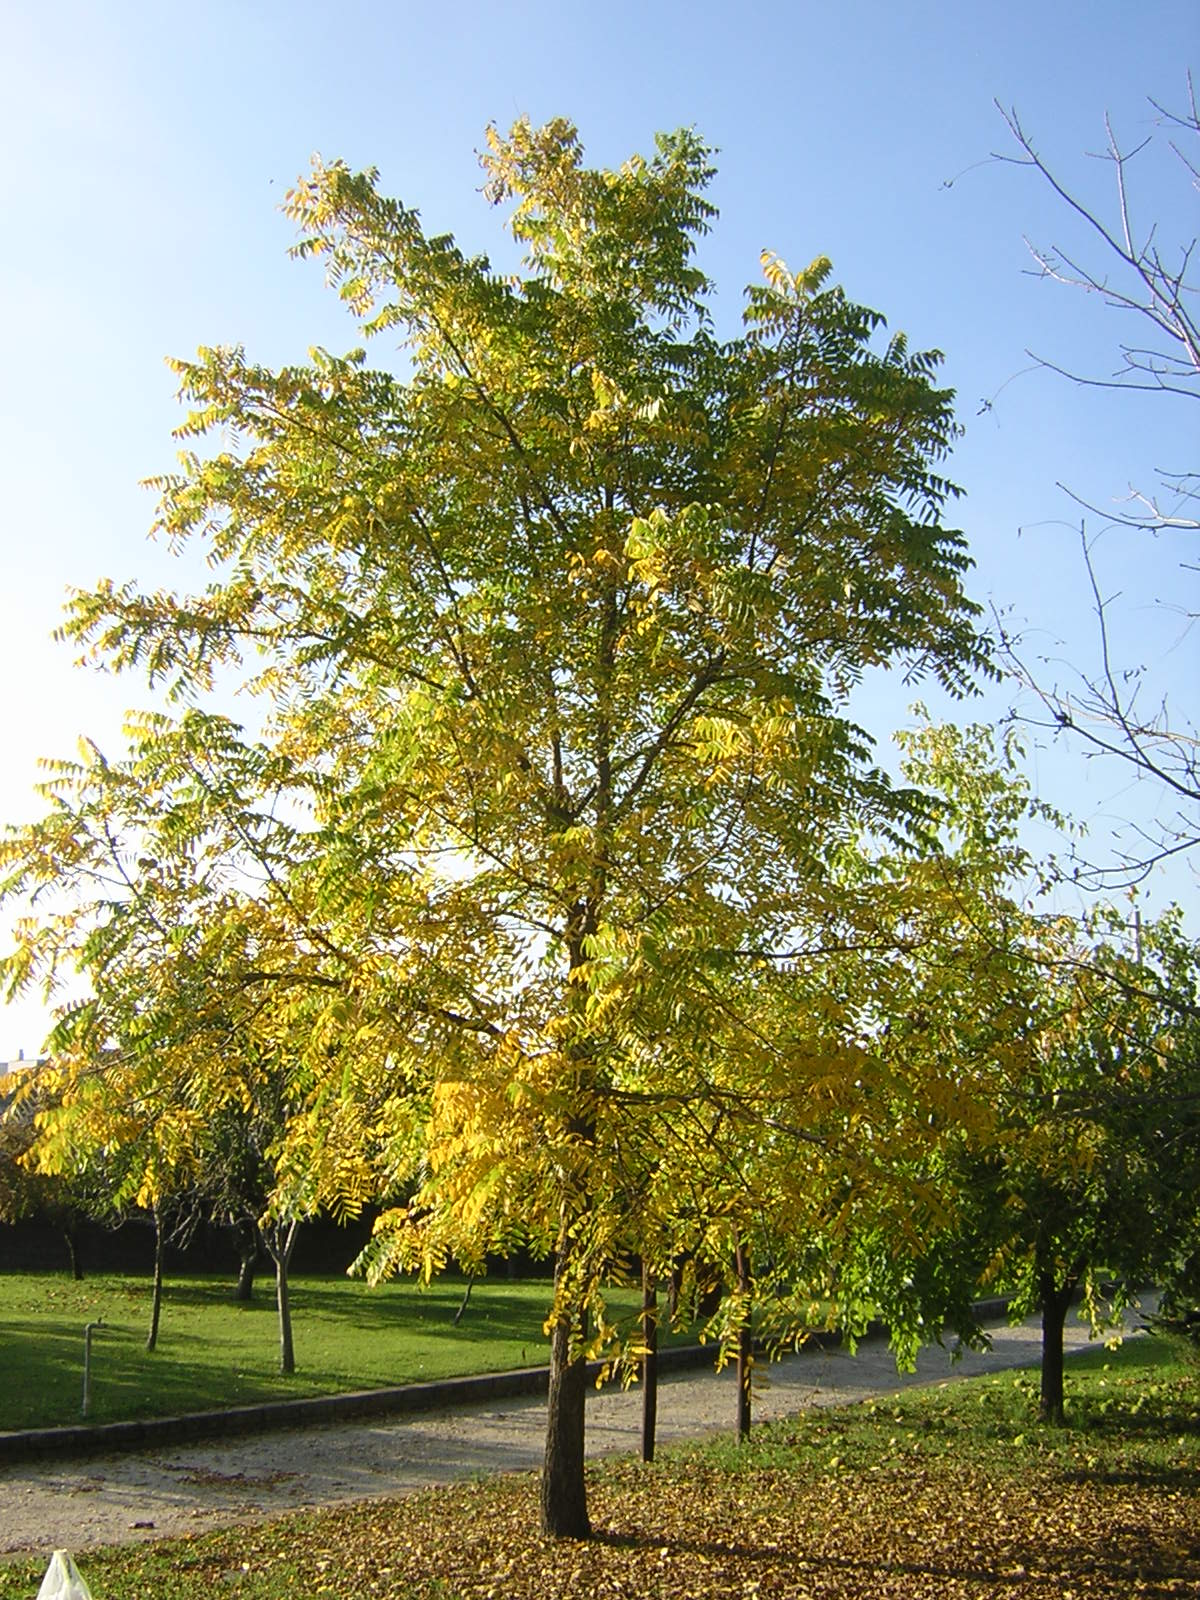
[[213, 1352], [946, 1493], [1135, 1409]]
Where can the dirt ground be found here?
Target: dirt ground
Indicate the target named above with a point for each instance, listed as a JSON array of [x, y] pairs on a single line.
[[119, 1498]]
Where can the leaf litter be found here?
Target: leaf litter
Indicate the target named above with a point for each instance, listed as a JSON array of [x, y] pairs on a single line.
[[934, 1500]]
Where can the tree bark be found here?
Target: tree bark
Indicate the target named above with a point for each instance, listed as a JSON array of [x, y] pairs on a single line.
[[156, 1294], [674, 1286], [564, 1491], [280, 1242], [247, 1241], [745, 1357], [458, 1315], [1054, 1312], [649, 1362], [563, 1486], [287, 1350], [74, 1264]]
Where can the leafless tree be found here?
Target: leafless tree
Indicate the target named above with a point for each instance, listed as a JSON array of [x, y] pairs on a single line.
[[1154, 287]]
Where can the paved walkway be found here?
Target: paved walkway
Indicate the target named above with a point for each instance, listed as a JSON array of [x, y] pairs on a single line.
[[120, 1498]]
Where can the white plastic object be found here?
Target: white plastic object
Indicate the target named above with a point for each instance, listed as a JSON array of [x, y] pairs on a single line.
[[62, 1580]]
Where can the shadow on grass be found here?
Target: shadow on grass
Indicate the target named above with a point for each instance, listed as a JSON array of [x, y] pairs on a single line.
[[1129, 1557], [1145, 1476], [1137, 1355], [1121, 1557], [497, 1308], [127, 1380], [216, 1352], [1134, 1420]]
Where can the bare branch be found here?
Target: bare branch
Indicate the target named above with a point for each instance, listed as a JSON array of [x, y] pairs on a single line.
[[1132, 275]]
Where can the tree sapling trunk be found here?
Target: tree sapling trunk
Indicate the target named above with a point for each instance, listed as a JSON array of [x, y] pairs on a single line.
[[745, 1356], [156, 1294], [649, 1361], [462, 1306], [247, 1242], [281, 1240], [74, 1264]]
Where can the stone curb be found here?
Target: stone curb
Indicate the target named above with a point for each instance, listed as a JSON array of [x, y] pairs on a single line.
[[166, 1432]]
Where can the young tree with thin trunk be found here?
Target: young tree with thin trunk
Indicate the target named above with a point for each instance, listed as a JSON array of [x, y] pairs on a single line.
[[648, 1328], [1092, 1190], [1081, 1040], [170, 1086]]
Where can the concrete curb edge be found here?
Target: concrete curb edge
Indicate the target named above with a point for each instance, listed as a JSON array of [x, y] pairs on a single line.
[[145, 1433]]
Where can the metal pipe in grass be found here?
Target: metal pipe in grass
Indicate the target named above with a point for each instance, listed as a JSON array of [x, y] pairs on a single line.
[[87, 1364]]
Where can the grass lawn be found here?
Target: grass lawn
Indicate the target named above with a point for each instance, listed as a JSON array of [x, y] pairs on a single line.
[[213, 1352], [947, 1493]]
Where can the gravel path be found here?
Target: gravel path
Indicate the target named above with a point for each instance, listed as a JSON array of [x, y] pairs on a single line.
[[120, 1498]]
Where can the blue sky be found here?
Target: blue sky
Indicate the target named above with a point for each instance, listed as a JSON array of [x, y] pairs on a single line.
[[147, 149]]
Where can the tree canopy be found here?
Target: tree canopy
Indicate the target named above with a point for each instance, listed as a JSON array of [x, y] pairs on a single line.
[[528, 878]]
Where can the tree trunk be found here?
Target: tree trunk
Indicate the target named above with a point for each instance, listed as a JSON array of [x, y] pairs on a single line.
[[243, 1289], [745, 1357], [73, 1262], [649, 1361], [247, 1241], [287, 1350], [674, 1286], [1054, 1312], [281, 1241], [563, 1486], [458, 1315], [156, 1294], [564, 1492]]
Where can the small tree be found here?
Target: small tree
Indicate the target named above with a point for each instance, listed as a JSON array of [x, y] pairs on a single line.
[[1091, 1188], [169, 1088], [1083, 1178], [243, 1178]]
